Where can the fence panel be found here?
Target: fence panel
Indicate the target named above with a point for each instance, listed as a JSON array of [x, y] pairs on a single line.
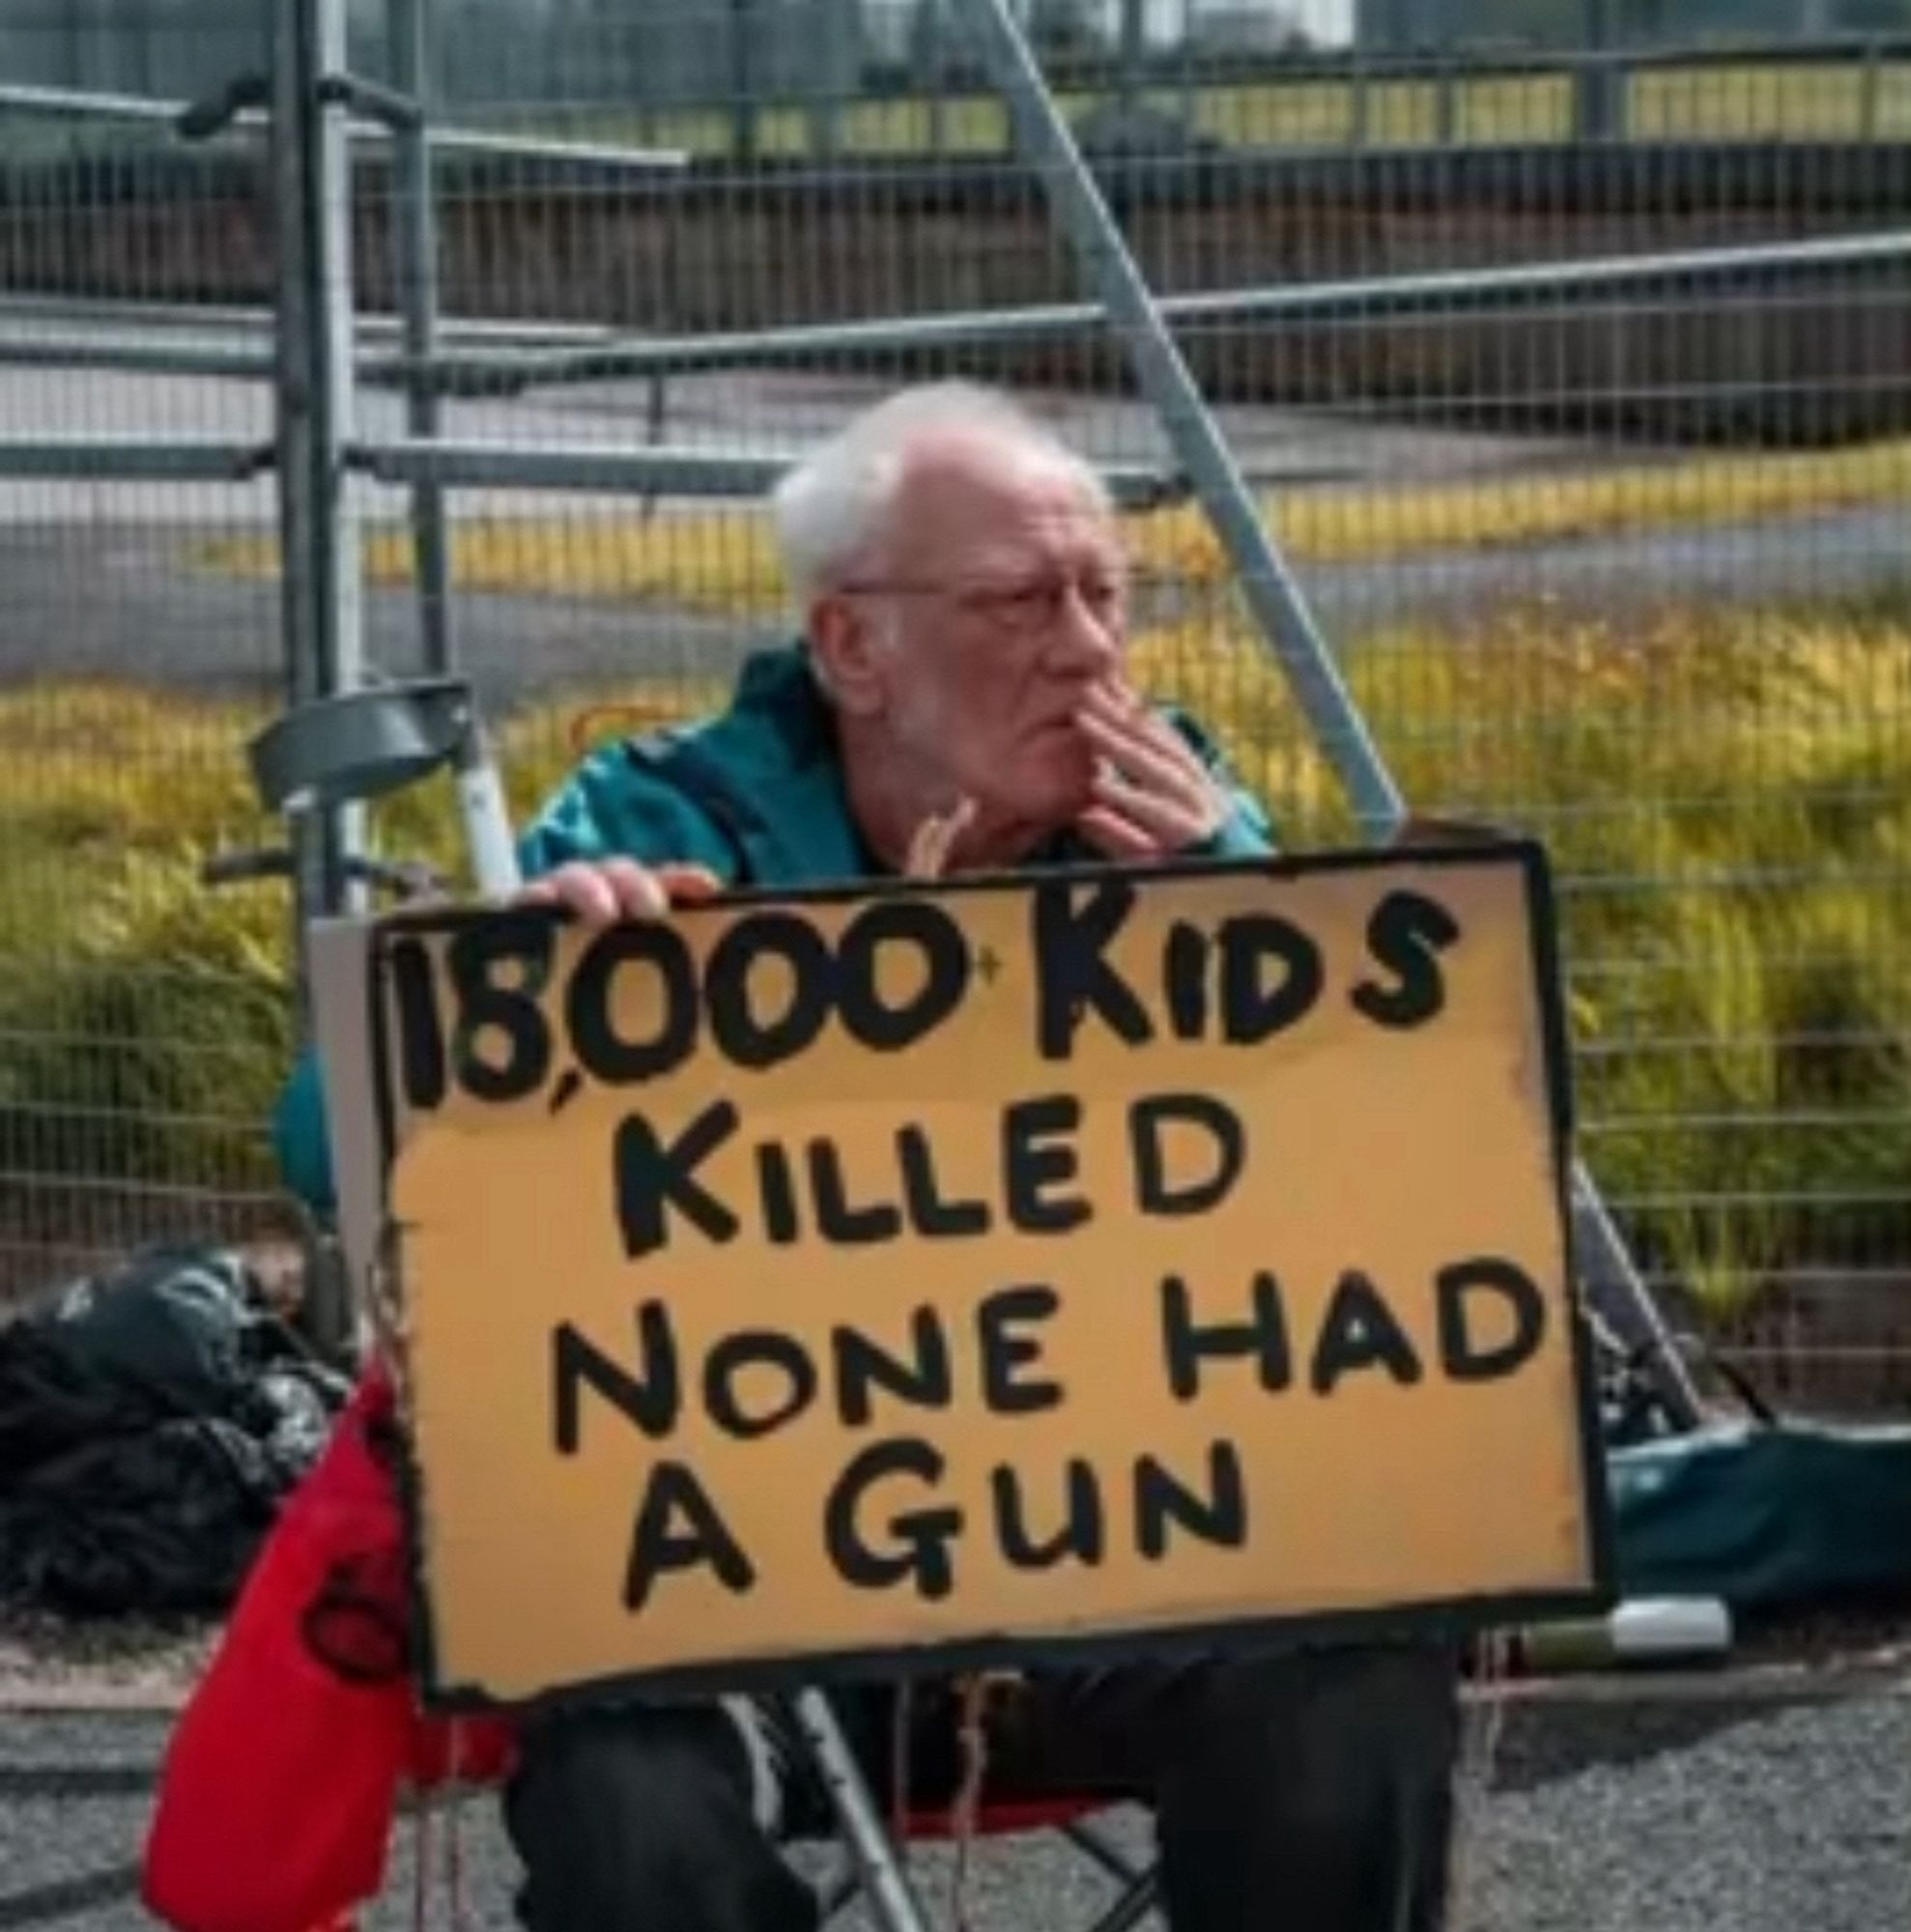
[[137, 642], [1589, 439], [1616, 559]]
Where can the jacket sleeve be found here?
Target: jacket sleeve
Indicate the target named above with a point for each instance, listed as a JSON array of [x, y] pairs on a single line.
[[615, 803], [618, 804], [1249, 831]]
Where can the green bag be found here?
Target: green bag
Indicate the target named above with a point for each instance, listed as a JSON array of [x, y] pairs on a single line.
[[1767, 1515]]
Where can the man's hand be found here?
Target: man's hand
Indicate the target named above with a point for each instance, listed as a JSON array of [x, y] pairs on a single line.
[[601, 891], [1153, 796], [934, 840]]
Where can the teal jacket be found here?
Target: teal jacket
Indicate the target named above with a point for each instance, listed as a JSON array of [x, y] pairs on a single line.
[[756, 794]]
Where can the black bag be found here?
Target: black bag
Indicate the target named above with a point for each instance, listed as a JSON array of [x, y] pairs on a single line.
[[151, 1422]]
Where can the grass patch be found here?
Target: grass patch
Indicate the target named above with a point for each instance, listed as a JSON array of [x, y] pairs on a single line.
[[727, 560], [1353, 526], [146, 1019], [1727, 796], [136, 1012]]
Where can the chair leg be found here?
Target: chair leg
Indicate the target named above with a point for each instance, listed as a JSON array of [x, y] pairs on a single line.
[[1140, 1885], [879, 1871], [1134, 1904], [1096, 1845], [840, 1893]]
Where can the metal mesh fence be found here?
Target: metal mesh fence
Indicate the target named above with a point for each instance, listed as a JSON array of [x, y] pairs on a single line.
[[132, 1011], [1577, 389]]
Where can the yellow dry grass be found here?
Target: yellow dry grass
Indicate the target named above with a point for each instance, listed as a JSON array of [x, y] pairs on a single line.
[[1726, 795], [1827, 101]]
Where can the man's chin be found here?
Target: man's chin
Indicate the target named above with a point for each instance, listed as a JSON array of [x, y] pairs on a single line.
[[1064, 788], [1054, 813], [1023, 823]]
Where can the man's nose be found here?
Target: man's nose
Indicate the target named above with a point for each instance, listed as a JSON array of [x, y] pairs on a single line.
[[1085, 634]]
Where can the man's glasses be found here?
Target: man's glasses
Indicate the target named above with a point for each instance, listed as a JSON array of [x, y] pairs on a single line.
[[1026, 608]]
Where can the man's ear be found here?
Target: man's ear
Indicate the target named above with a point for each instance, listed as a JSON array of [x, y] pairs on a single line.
[[846, 646]]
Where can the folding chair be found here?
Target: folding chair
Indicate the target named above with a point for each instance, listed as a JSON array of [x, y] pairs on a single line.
[[381, 738], [1071, 1819], [877, 1871]]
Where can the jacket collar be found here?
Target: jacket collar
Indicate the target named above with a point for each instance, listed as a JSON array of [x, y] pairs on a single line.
[[768, 769]]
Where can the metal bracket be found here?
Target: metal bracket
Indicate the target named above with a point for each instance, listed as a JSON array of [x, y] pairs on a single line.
[[201, 120], [362, 744], [367, 97]]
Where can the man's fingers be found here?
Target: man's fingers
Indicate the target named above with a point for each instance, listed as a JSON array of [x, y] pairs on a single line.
[[688, 885], [581, 890], [923, 859], [1115, 837], [638, 891], [1146, 763], [601, 891], [1173, 821], [1117, 694], [1123, 718], [934, 839], [1151, 758]]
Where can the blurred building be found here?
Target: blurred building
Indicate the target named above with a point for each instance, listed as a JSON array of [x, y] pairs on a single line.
[[489, 50], [1434, 23], [175, 48]]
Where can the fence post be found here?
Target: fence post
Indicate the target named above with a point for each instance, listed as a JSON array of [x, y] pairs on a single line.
[[742, 83], [320, 593], [1359, 96], [1132, 57], [415, 256], [1599, 80], [1446, 102]]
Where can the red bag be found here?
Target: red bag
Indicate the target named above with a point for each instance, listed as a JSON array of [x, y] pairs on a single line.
[[280, 1781]]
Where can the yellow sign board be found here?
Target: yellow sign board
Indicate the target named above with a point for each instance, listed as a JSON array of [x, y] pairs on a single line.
[[813, 1282]]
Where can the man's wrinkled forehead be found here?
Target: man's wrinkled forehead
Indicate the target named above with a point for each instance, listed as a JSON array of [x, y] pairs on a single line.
[[963, 492]]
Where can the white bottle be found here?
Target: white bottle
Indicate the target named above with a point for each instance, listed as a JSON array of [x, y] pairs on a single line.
[[1639, 1631]]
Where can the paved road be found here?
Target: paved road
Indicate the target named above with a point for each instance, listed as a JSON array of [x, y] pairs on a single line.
[[1728, 1813], [99, 581], [118, 600]]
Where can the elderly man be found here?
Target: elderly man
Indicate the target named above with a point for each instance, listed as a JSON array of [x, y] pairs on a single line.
[[959, 699]]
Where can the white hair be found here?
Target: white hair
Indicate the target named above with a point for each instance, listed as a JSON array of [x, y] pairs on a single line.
[[832, 505]]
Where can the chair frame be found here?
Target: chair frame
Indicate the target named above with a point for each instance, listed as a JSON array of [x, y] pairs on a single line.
[[876, 1869], [383, 738]]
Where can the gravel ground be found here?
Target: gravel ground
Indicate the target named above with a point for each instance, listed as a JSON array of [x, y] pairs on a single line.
[[1770, 1801]]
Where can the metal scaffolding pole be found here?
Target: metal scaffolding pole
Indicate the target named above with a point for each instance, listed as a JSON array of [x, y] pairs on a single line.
[[320, 582], [1043, 140], [414, 233]]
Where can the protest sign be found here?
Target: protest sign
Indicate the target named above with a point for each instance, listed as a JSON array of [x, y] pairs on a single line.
[[805, 1284]]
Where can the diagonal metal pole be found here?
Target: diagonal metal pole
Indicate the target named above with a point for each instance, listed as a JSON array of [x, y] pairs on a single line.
[[1043, 140], [878, 1861]]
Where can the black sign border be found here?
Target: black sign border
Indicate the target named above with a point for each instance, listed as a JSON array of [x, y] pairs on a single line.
[[1444, 1621]]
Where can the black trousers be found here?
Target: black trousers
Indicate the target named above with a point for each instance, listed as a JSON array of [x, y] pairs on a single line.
[[1309, 1791]]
